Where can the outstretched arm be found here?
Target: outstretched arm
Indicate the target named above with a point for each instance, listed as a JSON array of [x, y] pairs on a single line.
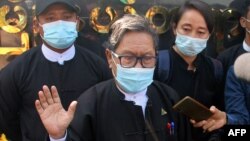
[[54, 118]]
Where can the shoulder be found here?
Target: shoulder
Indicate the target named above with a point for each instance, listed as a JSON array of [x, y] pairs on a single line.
[[232, 82], [229, 52], [216, 67], [104, 86], [207, 61], [87, 54], [166, 91], [98, 90], [231, 79], [216, 64], [92, 61], [26, 58], [18, 69], [231, 74], [29, 53], [231, 69]]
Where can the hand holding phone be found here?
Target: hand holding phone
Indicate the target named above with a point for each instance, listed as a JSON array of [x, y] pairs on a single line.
[[193, 109]]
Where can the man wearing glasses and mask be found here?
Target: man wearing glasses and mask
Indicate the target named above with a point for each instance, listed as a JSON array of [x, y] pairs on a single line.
[[130, 107]]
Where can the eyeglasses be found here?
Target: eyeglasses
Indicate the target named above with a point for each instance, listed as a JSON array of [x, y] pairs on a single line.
[[128, 61]]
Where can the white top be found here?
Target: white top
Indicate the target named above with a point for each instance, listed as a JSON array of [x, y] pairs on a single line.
[[139, 98], [58, 57], [246, 47]]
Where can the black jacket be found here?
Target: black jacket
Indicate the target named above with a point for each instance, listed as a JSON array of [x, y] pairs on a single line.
[[228, 57], [102, 114], [22, 78]]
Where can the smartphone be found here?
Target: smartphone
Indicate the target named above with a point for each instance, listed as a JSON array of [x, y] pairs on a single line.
[[193, 109]]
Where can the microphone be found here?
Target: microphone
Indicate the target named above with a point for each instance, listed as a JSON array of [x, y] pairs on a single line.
[[242, 67]]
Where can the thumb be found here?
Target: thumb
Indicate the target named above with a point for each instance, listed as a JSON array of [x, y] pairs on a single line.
[[213, 109], [72, 109], [192, 121]]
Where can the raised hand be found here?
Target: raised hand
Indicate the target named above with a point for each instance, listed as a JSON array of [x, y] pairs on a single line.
[[55, 119]]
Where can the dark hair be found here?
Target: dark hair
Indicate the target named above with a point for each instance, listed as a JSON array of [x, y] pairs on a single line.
[[242, 6], [245, 8], [202, 7]]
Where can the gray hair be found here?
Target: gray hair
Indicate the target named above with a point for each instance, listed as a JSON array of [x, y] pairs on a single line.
[[128, 23]]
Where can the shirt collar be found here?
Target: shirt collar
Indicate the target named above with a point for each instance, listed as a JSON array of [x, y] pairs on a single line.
[[136, 97], [132, 97], [182, 63], [139, 98], [58, 57], [246, 47]]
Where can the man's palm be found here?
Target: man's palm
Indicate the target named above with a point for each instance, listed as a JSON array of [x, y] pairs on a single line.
[[55, 119]]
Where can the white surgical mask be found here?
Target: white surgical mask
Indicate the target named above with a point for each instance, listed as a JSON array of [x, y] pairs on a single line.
[[190, 46], [133, 80], [60, 34]]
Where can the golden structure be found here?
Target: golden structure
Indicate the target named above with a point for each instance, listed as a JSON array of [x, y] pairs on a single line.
[[14, 28]]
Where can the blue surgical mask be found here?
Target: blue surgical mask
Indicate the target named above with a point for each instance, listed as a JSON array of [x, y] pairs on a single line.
[[190, 46], [133, 80], [60, 34]]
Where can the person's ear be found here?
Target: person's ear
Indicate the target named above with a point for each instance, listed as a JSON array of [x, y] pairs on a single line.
[[243, 22], [80, 24], [109, 57], [174, 28], [36, 26]]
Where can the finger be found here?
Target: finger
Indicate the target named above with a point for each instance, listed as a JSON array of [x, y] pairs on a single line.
[[48, 95], [192, 121], [72, 109], [208, 125], [213, 109], [43, 100], [55, 94], [200, 123], [39, 107], [212, 128]]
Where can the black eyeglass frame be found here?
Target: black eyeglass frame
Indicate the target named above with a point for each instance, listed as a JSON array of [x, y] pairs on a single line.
[[137, 58]]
